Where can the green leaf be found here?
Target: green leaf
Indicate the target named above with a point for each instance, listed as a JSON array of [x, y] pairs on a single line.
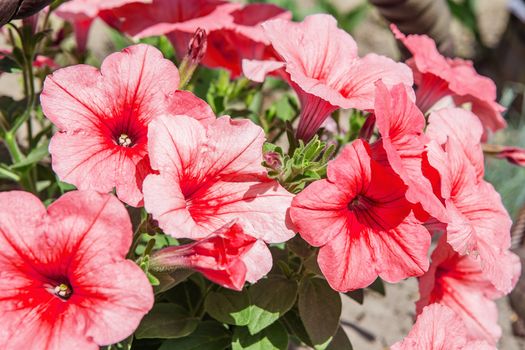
[[295, 326], [209, 335], [273, 337], [228, 306], [166, 321], [187, 294], [8, 174], [168, 280], [357, 295], [36, 155], [378, 286], [271, 298], [340, 341], [320, 310]]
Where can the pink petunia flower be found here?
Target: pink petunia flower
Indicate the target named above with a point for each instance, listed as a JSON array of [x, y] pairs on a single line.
[[359, 216], [82, 13], [458, 282], [64, 279], [102, 118], [437, 77], [402, 144], [211, 175], [439, 328], [320, 62], [465, 128], [228, 257], [478, 223]]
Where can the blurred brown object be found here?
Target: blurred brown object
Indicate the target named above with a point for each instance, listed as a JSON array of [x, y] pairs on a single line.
[[505, 62], [430, 17], [18, 9]]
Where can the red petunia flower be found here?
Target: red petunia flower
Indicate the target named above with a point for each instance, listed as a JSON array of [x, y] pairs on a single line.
[[176, 18], [64, 279], [243, 38], [82, 13], [438, 327], [211, 175], [359, 216], [102, 118], [402, 144], [320, 62], [458, 282], [228, 257], [437, 77], [478, 223]]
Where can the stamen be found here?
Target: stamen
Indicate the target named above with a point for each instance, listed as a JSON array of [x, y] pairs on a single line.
[[124, 140], [63, 291]]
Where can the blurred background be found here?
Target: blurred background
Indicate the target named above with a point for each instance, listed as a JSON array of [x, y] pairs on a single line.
[[491, 33]]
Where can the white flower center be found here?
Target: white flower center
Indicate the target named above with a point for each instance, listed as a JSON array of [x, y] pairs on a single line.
[[124, 140]]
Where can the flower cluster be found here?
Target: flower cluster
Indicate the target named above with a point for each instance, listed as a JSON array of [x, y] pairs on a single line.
[[414, 175]]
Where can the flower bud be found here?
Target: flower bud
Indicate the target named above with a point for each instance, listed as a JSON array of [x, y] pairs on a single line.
[[16, 9], [196, 50]]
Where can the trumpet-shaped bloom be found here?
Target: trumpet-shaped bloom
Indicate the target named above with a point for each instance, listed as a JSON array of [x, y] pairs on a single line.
[[102, 118], [320, 62], [478, 223], [81, 14], [64, 279], [211, 175], [228, 257], [359, 216], [402, 144], [458, 282], [437, 77], [439, 328]]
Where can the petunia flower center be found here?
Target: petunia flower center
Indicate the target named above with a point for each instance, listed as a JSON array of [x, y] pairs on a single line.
[[358, 203], [63, 291], [124, 140]]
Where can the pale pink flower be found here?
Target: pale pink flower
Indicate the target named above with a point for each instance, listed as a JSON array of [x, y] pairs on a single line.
[[102, 118], [439, 328], [320, 62], [64, 279], [210, 175], [437, 76]]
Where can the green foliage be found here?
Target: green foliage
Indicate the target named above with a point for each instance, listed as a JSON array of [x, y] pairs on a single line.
[[167, 321], [307, 164], [229, 306], [271, 298], [209, 335], [273, 337], [340, 341], [320, 310]]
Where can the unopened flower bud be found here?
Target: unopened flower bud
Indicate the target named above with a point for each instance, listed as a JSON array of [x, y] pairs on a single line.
[[16, 9], [196, 50], [272, 160]]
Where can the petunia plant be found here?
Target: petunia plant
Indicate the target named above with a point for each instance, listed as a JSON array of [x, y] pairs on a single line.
[[227, 175]]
